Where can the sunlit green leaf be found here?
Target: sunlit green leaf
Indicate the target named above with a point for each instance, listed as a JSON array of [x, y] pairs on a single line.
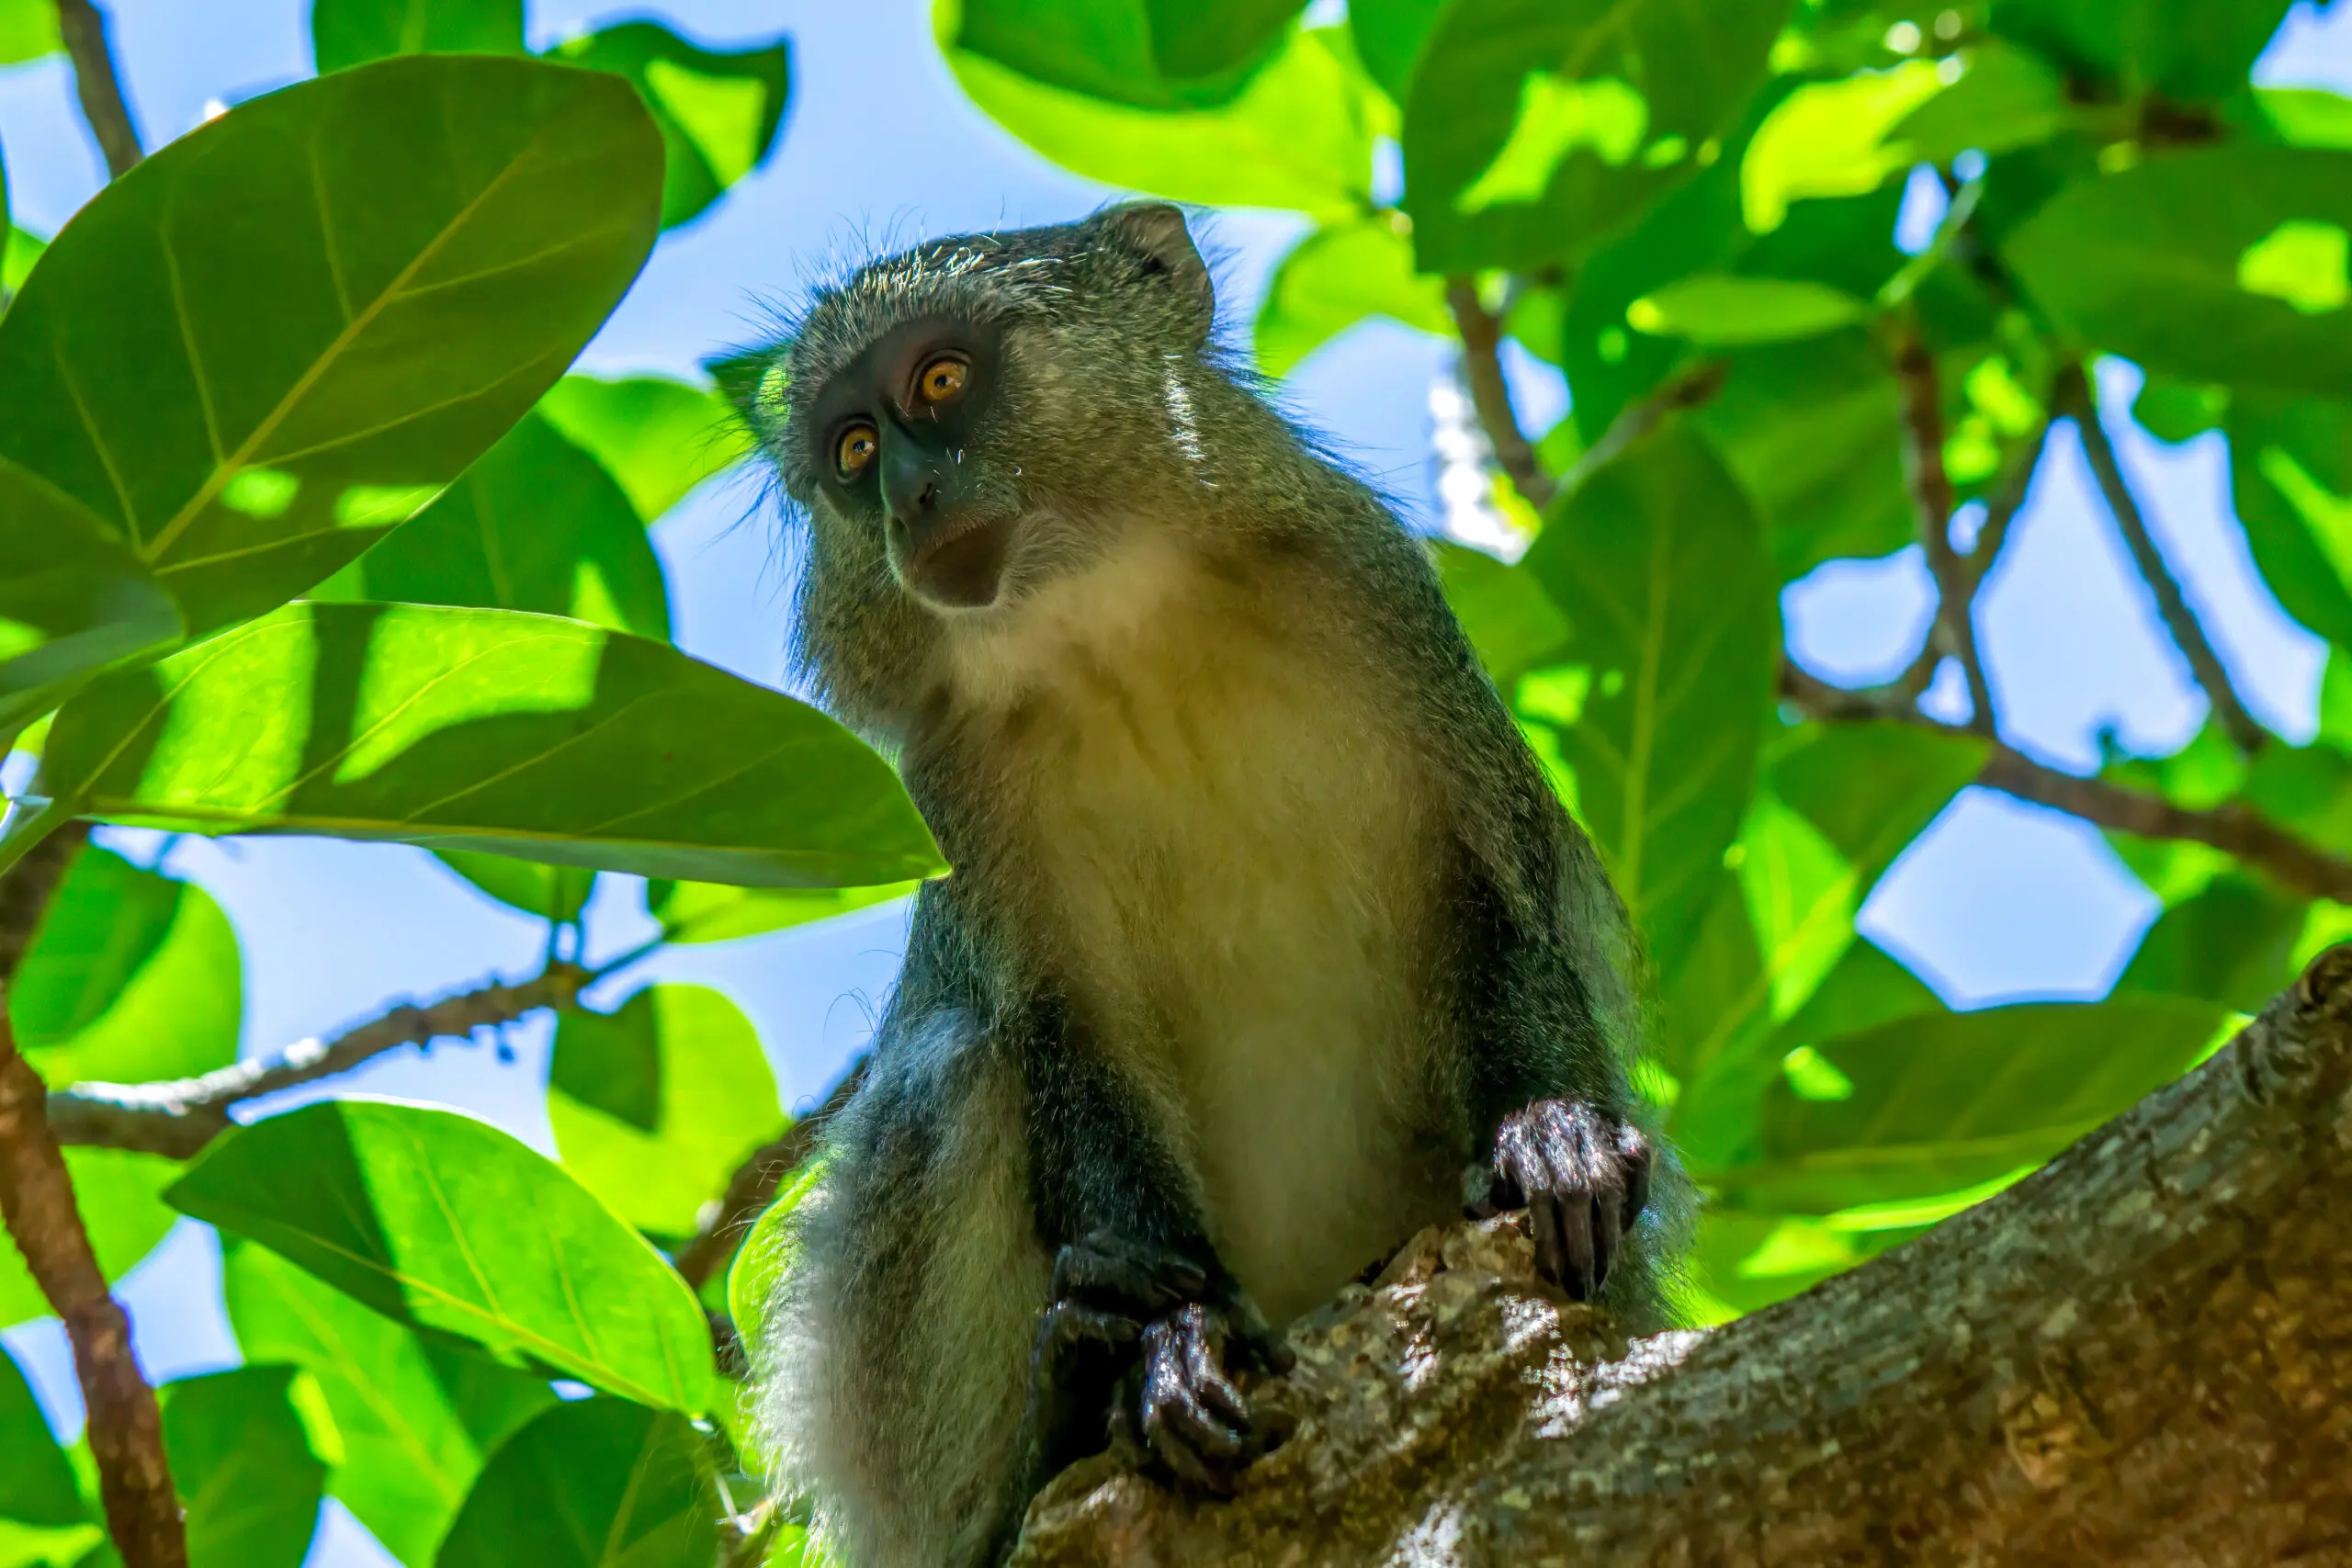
[[545, 892], [73, 603], [2307, 789], [488, 729], [1335, 277], [2004, 97], [535, 525], [19, 251], [2224, 264], [36, 1485], [1299, 135], [658, 439], [1658, 564], [765, 1253], [417, 1419], [28, 31], [710, 912], [2182, 49], [1534, 129], [1716, 308], [120, 1197], [654, 1105], [445, 1224], [1831, 139], [630, 1486], [131, 976], [242, 361], [2290, 475], [719, 111], [2304, 117], [344, 33], [247, 1466]]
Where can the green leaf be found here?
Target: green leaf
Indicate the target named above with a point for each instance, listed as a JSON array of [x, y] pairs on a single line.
[[2224, 264], [556, 893], [2308, 789], [417, 1419], [1716, 308], [247, 1467], [2182, 48], [36, 1485], [1152, 54], [1299, 135], [1389, 36], [1658, 564], [1945, 1101], [1830, 139], [2233, 942], [2178, 411], [2005, 98], [28, 31], [73, 604], [2304, 117], [1336, 277], [711, 911], [1511, 620], [719, 111], [535, 524], [766, 1251], [344, 33], [442, 1223], [1535, 129], [629, 1488], [2291, 476], [489, 729], [242, 362], [120, 1197], [656, 438], [131, 976], [655, 1104], [19, 251]]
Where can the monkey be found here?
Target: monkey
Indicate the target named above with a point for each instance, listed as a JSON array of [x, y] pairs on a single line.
[[1266, 940]]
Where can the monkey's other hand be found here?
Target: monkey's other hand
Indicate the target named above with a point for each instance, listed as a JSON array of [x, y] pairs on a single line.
[[1581, 1175], [1181, 1405]]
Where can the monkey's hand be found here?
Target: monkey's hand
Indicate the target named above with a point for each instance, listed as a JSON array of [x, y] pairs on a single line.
[[1581, 1175]]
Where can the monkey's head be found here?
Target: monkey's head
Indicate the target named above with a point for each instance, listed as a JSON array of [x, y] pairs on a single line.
[[965, 421]]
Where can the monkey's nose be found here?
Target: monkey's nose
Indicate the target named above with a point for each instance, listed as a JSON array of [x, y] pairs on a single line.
[[910, 489]]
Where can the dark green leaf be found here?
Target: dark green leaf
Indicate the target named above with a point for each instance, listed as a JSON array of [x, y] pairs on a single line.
[[1511, 621], [489, 729], [417, 1419], [719, 112], [2290, 475], [73, 603], [1389, 37], [1335, 277], [2226, 264], [711, 911], [2007, 97], [555, 893], [658, 439], [131, 976], [442, 1223], [535, 525], [1534, 129], [247, 1465], [654, 1105], [2308, 789], [2182, 49], [1194, 39], [1658, 564], [344, 33], [2179, 411], [595, 1484], [2233, 942], [245, 359], [120, 1197], [36, 1485], [1152, 54]]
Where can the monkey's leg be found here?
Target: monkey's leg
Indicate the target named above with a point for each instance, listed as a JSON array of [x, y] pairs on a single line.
[[1581, 1175]]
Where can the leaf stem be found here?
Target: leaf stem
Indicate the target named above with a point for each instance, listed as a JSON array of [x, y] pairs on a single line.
[[96, 82]]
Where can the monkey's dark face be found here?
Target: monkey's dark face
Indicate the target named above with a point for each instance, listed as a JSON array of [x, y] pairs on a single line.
[[895, 431]]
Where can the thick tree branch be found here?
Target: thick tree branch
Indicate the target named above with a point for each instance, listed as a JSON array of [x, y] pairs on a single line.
[[1933, 501], [755, 1181], [84, 28], [179, 1117], [2234, 828], [1482, 367], [2074, 397], [2138, 1356]]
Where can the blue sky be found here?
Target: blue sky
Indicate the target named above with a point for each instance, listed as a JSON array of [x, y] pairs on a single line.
[[1999, 900]]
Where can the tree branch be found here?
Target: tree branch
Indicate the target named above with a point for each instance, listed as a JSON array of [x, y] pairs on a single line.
[[755, 1183], [84, 28], [1482, 366], [2137, 1357], [1933, 501], [2234, 828], [1686, 388], [2072, 396], [179, 1117]]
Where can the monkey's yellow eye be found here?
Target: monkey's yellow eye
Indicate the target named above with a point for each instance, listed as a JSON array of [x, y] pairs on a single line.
[[855, 450], [941, 378]]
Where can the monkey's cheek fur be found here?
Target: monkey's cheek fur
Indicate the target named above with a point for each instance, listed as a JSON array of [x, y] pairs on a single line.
[[959, 564]]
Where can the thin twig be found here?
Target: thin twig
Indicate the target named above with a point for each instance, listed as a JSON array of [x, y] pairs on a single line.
[[2001, 508], [755, 1183], [2234, 828], [1933, 501], [1482, 366], [84, 28], [1686, 388], [2072, 396], [178, 1117]]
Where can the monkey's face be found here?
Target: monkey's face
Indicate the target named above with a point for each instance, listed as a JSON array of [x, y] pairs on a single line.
[[898, 432]]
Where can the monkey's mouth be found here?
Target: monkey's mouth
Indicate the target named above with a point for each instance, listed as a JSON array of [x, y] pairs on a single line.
[[961, 564]]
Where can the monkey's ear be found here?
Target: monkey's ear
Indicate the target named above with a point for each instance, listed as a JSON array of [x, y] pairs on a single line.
[[1155, 231]]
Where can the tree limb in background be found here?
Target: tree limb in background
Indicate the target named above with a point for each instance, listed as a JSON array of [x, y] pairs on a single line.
[[2072, 396], [126, 1427], [2234, 828], [1933, 501], [84, 28], [180, 1116], [2137, 1357], [755, 1183], [1482, 367]]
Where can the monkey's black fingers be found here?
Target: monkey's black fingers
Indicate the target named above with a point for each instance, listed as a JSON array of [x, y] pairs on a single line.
[[1136, 1278], [1581, 1277], [1608, 1236], [1543, 1225], [1633, 1161], [1066, 1325]]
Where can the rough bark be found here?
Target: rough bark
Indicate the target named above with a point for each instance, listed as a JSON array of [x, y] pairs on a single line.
[[2141, 1355]]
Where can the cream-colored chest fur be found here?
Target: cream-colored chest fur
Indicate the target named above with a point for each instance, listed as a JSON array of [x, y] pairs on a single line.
[[1231, 843]]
